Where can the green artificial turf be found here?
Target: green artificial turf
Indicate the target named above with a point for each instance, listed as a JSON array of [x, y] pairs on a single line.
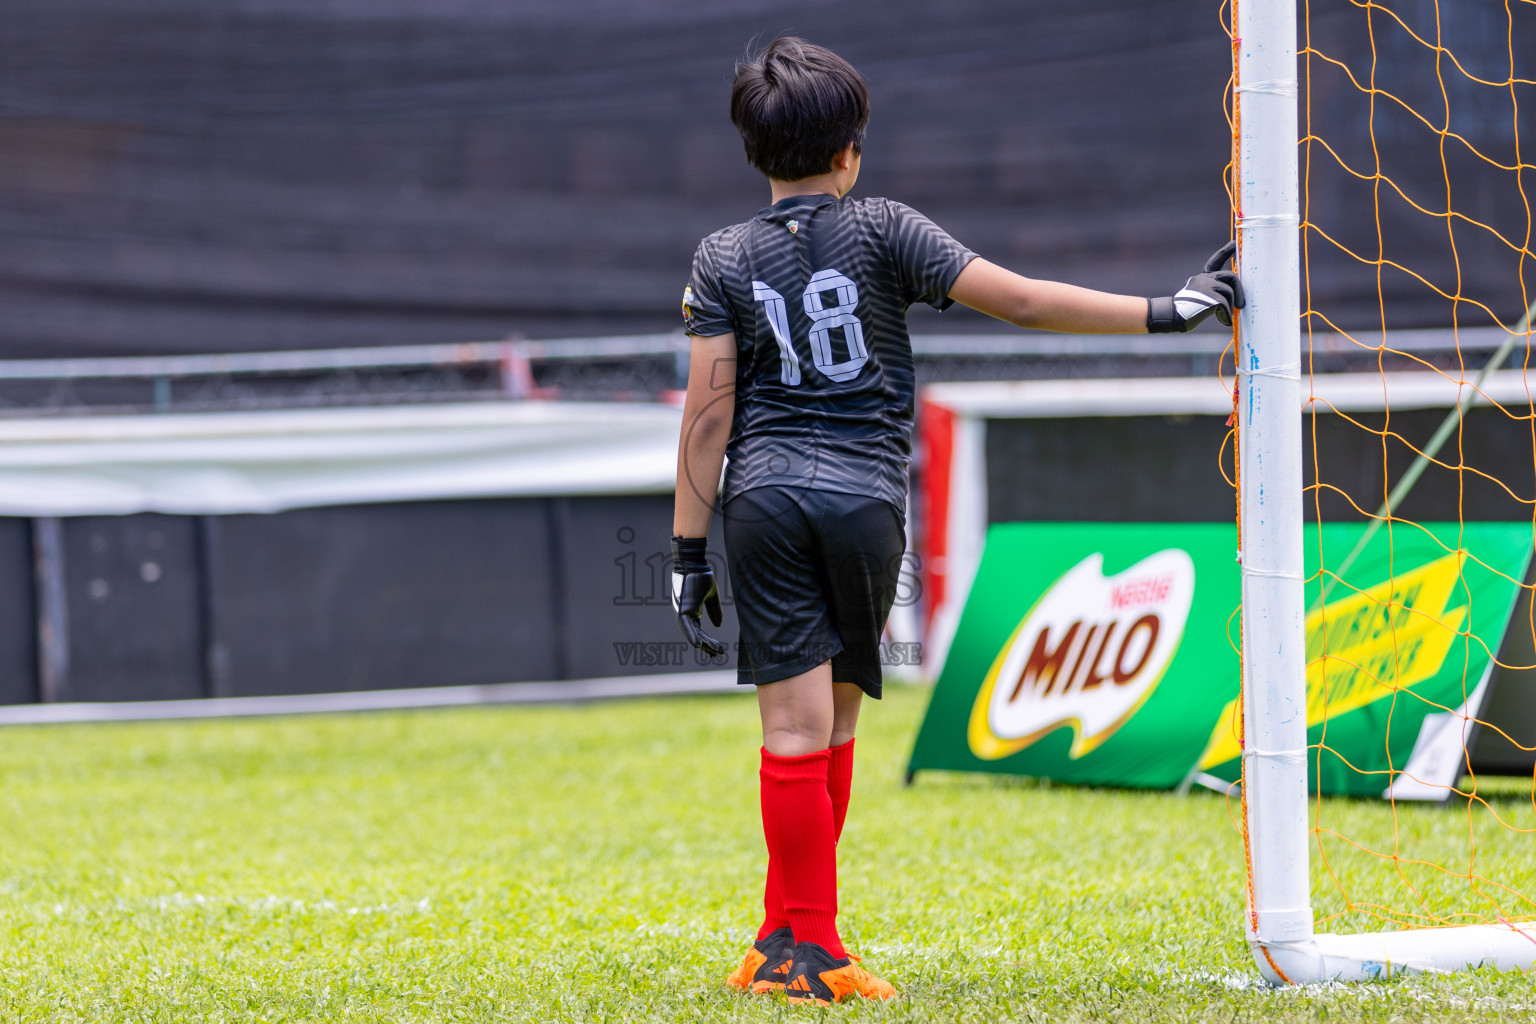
[[603, 863]]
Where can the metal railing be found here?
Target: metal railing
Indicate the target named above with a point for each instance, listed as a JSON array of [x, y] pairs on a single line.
[[629, 366]]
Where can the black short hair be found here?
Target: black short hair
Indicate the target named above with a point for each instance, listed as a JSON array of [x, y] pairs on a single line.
[[797, 105]]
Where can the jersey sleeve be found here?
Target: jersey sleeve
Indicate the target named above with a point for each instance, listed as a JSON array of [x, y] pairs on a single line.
[[706, 312], [928, 259]]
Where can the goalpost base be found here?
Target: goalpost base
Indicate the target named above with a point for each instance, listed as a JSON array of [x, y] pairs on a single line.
[[1380, 955]]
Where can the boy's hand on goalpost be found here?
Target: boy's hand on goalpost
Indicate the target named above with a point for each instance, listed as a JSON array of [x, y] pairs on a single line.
[[693, 591], [1214, 291]]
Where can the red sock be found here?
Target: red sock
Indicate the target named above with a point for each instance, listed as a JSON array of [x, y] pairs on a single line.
[[773, 898], [839, 784], [802, 847]]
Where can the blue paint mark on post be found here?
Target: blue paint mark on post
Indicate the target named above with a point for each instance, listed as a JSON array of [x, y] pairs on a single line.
[[1253, 364]]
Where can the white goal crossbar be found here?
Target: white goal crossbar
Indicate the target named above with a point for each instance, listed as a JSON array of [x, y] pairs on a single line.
[[1275, 757]]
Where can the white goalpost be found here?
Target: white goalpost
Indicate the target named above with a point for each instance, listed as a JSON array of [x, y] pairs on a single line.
[[1275, 757]]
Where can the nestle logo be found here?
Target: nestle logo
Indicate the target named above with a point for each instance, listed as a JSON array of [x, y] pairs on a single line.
[[1133, 593]]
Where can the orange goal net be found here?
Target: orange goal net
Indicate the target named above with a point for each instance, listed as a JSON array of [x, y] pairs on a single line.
[[1417, 171]]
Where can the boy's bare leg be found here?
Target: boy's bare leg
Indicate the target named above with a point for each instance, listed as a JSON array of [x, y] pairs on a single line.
[[798, 713], [846, 698], [808, 712]]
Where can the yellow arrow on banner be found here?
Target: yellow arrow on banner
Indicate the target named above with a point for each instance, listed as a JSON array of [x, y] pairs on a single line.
[[1368, 646]]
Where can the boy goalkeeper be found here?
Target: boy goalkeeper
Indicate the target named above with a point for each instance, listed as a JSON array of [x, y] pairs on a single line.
[[801, 372]]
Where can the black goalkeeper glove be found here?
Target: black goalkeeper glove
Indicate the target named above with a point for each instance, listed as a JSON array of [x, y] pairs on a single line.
[[1215, 291], [693, 588]]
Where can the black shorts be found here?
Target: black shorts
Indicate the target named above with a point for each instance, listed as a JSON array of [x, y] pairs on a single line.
[[813, 578]]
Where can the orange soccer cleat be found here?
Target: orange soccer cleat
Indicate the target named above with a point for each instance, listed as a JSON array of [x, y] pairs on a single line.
[[819, 978], [766, 965]]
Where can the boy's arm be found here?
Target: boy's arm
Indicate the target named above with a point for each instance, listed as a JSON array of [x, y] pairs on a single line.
[[707, 412], [1052, 306], [1047, 305]]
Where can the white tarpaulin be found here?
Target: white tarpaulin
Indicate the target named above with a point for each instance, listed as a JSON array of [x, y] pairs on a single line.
[[211, 463]]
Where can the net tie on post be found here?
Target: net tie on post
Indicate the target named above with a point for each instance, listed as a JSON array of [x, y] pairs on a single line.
[[1272, 574], [1291, 757], [1272, 86], [1285, 371], [1269, 220]]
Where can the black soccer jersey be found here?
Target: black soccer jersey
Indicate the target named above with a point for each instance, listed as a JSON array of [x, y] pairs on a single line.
[[816, 290]]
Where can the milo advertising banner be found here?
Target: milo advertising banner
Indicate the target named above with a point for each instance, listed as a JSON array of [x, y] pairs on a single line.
[[1105, 654]]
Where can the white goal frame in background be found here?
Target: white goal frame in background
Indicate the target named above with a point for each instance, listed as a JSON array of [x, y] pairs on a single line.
[[1275, 756]]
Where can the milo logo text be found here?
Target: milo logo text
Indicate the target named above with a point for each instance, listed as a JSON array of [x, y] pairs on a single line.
[[1043, 670], [1086, 656]]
